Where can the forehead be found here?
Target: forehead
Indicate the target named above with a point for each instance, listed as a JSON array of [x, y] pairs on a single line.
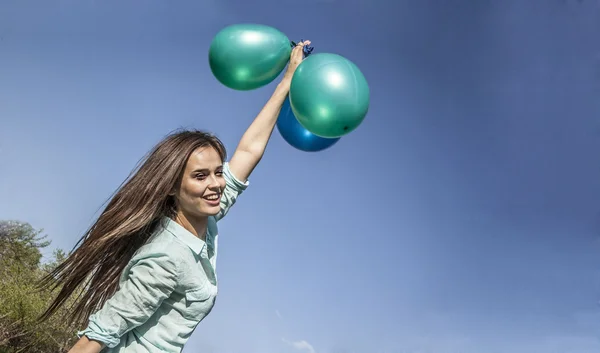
[[204, 157]]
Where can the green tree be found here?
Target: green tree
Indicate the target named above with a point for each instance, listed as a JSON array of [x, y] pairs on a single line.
[[21, 301]]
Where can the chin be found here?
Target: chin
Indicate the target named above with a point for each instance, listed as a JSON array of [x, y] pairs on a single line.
[[212, 211]]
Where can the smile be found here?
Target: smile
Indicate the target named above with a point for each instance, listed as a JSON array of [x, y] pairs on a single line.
[[212, 197]]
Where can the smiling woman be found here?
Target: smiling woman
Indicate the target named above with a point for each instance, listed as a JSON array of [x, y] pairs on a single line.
[[148, 263], [200, 188]]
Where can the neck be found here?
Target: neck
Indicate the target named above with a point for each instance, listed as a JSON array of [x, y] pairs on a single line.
[[195, 225]]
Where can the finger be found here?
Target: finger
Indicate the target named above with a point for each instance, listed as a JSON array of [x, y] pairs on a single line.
[[300, 47]]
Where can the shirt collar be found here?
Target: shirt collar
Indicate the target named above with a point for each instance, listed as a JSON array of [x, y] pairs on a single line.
[[189, 239]]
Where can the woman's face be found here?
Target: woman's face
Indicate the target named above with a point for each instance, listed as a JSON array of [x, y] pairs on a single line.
[[199, 194]]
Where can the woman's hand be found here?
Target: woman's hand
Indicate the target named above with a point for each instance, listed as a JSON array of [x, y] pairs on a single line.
[[295, 59]]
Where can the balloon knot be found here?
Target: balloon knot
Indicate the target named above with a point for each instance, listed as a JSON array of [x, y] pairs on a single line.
[[307, 50]]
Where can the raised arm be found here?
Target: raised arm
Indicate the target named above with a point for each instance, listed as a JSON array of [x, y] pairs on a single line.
[[254, 141]]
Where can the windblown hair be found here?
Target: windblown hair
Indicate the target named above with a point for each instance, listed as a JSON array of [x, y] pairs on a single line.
[[127, 222]]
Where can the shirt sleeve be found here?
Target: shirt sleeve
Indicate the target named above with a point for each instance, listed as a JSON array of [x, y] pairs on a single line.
[[150, 280], [233, 188]]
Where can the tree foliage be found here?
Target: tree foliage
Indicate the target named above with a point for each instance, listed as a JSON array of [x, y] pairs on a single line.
[[21, 301]]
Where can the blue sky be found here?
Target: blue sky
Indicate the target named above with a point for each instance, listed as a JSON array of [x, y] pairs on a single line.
[[463, 215]]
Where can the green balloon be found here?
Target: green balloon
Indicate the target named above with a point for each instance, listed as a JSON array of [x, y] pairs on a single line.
[[248, 56], [329, 95]]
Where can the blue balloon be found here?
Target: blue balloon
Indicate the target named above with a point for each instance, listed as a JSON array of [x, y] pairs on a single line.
[[296, 135]]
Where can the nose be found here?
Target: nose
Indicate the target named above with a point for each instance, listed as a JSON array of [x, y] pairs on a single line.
[[214, 183]]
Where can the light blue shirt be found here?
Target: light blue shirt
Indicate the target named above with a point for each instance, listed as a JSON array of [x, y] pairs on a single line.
[[166, 289]]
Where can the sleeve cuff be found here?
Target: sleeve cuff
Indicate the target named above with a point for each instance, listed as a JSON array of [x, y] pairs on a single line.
[[96, 333], [237, 184]]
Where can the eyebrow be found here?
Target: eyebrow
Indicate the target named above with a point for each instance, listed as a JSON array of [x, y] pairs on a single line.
[[205, 169]]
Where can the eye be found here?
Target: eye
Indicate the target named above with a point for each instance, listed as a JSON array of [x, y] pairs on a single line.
[[200, 176], [219, 172]]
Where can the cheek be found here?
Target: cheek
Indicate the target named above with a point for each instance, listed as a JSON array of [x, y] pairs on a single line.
[[192, 189]]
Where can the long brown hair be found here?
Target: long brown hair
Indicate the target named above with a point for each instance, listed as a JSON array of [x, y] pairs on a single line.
[[130, 217]]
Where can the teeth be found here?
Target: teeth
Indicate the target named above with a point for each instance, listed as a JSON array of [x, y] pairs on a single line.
[[212, 197]]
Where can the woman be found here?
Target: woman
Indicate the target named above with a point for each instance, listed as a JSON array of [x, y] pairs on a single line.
[[148, 263]]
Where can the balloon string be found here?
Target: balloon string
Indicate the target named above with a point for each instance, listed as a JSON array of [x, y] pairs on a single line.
[[307, 50]]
